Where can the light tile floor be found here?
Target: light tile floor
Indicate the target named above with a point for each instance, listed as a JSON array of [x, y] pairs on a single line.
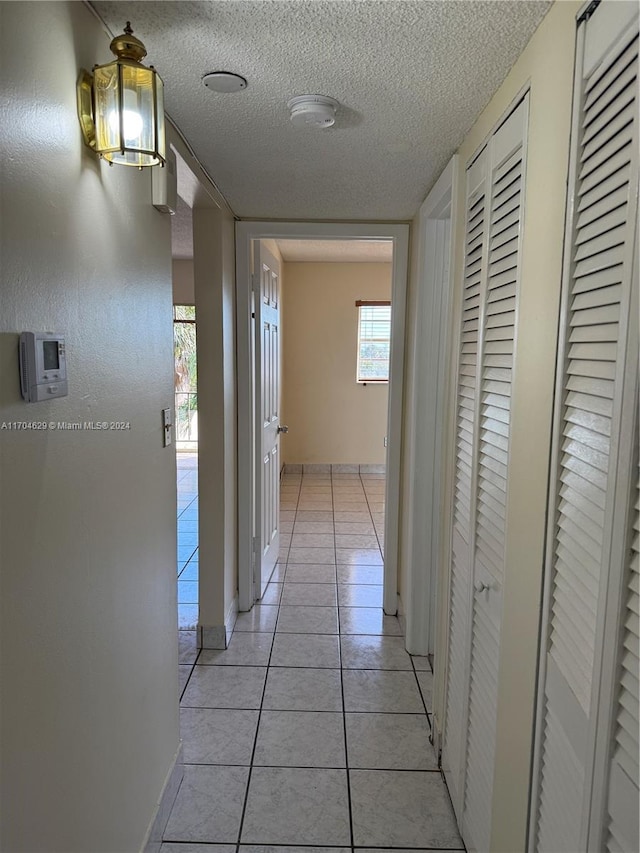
[[312, 729], [187, 473]]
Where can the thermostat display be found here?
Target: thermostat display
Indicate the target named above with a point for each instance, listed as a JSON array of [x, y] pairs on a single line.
[[43, 366]]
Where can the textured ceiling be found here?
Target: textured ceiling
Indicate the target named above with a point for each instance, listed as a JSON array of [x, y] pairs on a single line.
[[411, 77], [336, 251]]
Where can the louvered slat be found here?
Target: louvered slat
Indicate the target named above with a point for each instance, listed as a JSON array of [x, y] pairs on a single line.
[[622, 833], [468, 363], [594, 314], [481, 737], [580, 568], [561, 798], [459, 616], [495, 377], [458, 632]]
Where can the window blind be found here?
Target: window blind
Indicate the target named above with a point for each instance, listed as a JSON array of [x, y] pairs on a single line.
[[374, 339]]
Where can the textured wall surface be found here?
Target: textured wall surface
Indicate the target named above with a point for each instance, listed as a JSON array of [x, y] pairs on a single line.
[[182, 278], [411, 77], [331, 418], [88, 596]]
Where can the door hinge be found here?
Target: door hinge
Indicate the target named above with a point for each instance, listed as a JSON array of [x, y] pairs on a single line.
[[588, 12], [255, 293]]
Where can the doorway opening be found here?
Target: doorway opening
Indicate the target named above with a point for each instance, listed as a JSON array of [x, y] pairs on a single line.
[[252, 240], [186, 378], [185, 418]]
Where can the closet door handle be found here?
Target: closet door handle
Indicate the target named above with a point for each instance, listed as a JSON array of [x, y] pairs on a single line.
[[480, 586]]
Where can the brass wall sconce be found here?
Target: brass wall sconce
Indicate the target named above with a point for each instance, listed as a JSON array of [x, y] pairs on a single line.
[[121, 106]]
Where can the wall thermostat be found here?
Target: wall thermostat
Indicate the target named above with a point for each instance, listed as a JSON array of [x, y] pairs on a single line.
[[43, 366]]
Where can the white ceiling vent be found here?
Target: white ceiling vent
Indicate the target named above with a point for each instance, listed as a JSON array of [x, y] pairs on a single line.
[[224, 81], [313, 110]]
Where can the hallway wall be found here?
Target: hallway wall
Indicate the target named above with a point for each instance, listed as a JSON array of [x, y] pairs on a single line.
[[214, 274], [331, 418], [546, 66], [89, 641], [183, 283]]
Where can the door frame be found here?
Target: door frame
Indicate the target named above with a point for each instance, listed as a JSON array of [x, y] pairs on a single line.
[[246, 232], [428, 380]]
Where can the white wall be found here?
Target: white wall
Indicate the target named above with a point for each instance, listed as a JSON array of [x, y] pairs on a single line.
[[89, 648], [183, 284], [331, 418], [214, 269]]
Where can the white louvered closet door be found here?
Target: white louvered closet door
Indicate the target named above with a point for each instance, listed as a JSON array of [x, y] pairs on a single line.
[[494, 209], [591, 463], [454, 745], [620, 831], [499, 297]]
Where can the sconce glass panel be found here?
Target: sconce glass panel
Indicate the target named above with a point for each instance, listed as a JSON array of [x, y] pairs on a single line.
[[106, 98], [129, 114], [160, 125]]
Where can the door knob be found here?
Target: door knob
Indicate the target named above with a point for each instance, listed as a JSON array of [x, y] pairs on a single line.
[[284, 429], [480, 586]]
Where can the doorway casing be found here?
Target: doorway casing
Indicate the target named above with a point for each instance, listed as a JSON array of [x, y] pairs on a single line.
[[428, 371], [246, 233]]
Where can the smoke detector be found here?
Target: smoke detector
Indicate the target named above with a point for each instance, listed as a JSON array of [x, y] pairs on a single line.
[[313, 110], [224, 81]]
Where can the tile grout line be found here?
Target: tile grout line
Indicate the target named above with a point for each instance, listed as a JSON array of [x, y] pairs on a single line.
[[286, 562], [264, 690], [182, 692], [380, 547], [295, 512], [308, 767], [344, 709], [239, 845], [426, 710], [321, 711], [255, 742]]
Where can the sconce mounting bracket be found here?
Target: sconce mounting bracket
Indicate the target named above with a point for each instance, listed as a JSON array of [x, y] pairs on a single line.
[[85, 107]]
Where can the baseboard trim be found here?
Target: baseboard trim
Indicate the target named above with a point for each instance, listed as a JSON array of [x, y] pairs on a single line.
[[397, 606], [331, 468], [153, 840], [230, 618], [218, 636], [436, 737], [213, 637], [402, 618]]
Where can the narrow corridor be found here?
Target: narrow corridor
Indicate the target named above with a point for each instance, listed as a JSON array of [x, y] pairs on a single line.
[[312, 728]]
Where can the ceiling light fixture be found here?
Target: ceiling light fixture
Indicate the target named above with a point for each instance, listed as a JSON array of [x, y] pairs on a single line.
[[224, 81], [121, 106], [313, 110]]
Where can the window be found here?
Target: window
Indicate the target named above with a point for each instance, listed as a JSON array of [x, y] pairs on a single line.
[[374, 336], [186, 376]]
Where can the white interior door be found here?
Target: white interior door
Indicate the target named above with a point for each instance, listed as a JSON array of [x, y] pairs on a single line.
[[266, 289]]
